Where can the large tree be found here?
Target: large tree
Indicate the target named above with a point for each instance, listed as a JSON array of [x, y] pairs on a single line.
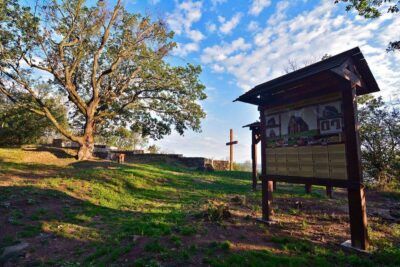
[[380, 139], [108, 65], [372, 9]]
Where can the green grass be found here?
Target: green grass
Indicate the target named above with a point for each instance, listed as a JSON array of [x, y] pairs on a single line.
[[255, 258], [104, 206]]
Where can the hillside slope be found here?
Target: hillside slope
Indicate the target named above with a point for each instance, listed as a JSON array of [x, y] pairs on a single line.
[[99, 213]]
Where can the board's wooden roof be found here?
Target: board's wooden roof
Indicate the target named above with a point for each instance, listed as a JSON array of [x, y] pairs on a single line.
[[330, 66], [254, 125]]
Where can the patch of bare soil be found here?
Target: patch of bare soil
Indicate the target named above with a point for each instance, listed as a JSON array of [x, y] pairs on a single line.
[[23, 217]]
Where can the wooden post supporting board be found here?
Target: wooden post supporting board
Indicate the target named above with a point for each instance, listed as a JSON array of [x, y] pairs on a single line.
[[308, 188], [329, 191], [254, 158], [356, 194], [255, 139], [121, 158], [267, 185]]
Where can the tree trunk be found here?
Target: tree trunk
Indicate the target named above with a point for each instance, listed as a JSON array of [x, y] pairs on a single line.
[[87, 147], [85, 152]]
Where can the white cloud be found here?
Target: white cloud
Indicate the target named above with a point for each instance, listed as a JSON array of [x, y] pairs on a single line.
[[219, 53], [257, 6], [195, 35], [228, 25], [211, 27], [253, 26], [311, 34], [279, 13], [215, 3], [218, 68], [181, 20], [184, 15], [184, 49]]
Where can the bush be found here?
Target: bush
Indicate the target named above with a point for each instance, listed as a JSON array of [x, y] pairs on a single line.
[[216, 212], [19, 127]]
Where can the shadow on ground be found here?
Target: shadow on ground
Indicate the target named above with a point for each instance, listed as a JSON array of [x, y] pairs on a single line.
[[58, 152], [58, 226], [93, 164]]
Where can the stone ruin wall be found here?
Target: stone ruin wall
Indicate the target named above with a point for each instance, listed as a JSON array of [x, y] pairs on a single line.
[[198, 163], [138, 156]]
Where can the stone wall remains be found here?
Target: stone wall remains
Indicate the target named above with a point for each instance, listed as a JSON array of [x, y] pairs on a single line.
[[198, 163]]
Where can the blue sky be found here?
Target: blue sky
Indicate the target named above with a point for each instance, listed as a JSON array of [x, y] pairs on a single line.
[[242, 43]]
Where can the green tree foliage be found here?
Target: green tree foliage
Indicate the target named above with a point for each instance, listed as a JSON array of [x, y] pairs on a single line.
[[372, 9], [122, 138], [107, 66], [153, 149], [380, 139], [19, 127], [245, 166]]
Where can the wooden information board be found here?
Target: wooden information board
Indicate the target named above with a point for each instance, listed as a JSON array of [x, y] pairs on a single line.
[[309, 131], [305, 139]]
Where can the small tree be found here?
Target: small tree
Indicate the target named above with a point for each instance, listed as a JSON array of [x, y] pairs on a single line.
[[380, 139], [153, 149], [293, 65], [19, 127], [106, 66], [122, 138]]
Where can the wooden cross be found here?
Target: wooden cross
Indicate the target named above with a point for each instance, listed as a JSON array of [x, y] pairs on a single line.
[[230, 144]]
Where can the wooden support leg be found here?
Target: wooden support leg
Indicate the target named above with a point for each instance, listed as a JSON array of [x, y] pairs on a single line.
[[267, 185], [254, 160], [121, 158], [329, 191], [356, 194], [358, 218], [308, 188], [255, 182], [267, 189]]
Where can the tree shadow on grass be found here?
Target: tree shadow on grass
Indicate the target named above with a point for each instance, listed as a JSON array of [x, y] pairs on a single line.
[[392, 195], [191, 186], [29, 170], [59, 227], [58, 152], [145, 182], [93, 164]]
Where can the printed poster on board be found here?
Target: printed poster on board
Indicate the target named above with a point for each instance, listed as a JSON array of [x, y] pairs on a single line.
[[314, 124]]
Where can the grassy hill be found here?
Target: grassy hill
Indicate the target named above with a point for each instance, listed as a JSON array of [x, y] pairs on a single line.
[[98, 213]]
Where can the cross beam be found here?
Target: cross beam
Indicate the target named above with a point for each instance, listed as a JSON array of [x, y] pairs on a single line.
[[230, 144]]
